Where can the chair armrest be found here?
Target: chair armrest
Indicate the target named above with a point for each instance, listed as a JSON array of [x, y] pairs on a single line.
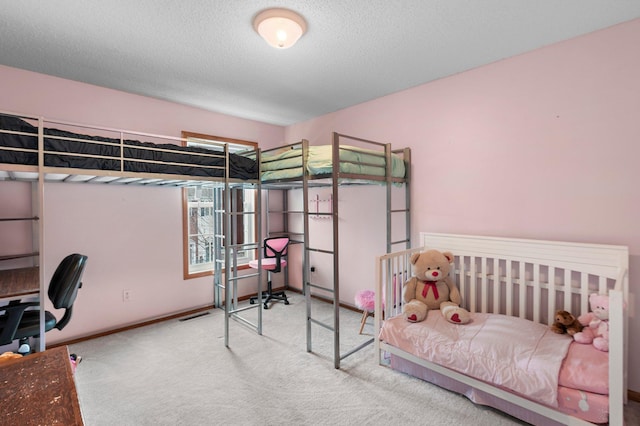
[[13, 316]]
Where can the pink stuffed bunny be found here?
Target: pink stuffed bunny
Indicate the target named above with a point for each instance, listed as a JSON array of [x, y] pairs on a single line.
[[596, 323]]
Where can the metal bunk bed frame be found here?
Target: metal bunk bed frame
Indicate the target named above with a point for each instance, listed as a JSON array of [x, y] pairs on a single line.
[[40, 174], [334, 181]]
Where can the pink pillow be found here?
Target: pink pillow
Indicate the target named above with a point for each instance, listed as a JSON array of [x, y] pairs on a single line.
[[585, 368]]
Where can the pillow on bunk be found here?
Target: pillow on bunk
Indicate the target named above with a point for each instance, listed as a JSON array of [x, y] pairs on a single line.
[[585, 368]]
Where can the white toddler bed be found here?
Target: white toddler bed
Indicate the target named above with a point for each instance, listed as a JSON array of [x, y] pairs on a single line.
[[507, 357]]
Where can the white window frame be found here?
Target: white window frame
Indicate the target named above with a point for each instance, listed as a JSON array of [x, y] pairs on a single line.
[[202, 198]]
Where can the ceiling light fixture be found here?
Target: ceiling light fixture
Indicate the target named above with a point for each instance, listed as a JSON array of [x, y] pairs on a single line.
[[281, 28]]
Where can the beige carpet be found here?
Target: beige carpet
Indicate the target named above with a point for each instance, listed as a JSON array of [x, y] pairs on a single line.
[[180, 373]]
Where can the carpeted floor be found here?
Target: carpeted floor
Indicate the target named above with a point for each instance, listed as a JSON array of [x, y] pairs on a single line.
[[181, 373]]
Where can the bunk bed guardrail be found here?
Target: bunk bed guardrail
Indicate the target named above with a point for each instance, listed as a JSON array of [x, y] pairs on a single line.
[[111, 155]]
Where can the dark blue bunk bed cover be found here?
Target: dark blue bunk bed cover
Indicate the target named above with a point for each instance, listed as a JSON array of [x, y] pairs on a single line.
[[240, 167]]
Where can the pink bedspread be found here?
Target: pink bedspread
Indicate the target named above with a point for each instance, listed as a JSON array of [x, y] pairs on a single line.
[[585, 368], [585, 405], [505, 351]]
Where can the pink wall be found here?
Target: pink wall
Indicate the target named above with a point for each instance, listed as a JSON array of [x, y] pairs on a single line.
[[132, 235], [543, 145], [56, 98]]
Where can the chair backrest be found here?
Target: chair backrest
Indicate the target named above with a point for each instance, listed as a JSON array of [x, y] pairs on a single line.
[[276, 247], [65, 283]]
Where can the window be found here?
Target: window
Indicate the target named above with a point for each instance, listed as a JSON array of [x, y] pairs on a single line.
[[201, 224]]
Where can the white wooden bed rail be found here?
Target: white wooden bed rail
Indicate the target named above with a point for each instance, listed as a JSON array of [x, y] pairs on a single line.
[[530, 279]]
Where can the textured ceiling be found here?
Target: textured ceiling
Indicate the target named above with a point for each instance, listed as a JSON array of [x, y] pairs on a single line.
[[205, 53]]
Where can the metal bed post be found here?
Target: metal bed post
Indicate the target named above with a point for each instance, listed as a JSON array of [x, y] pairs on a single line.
[[305, 267], [267, 220], [258, 235], [389, 186], [407, 195], [336, 258], [285, 228], [42, 345], [226, 228]]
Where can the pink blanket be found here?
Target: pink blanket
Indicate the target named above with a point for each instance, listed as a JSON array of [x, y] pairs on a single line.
[[505, 351]]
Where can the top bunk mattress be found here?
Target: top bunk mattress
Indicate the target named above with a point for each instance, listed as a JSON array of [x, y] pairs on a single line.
[[288, 163], [65, 149]]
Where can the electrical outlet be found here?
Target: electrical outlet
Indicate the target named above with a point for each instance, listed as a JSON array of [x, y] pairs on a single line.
[[126, 295]]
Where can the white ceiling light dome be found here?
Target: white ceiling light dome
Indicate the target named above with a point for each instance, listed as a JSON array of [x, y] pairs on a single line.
[[281, 28]]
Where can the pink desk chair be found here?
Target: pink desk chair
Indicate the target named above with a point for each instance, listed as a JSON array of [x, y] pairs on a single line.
[[275, 249]]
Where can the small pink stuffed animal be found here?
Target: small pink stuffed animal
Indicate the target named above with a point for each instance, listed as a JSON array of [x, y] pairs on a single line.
[[596, 323]]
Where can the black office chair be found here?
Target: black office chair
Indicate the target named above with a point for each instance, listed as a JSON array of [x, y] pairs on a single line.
[[275, 249], [20, 323]]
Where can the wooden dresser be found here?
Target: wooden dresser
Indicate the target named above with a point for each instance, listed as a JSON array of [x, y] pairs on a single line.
[[39, 389]]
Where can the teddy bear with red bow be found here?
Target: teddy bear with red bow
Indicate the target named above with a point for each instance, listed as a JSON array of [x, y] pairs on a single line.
[[431, 287]]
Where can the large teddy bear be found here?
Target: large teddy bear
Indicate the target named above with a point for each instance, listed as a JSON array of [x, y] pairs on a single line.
[[596, 323], [430, 287]]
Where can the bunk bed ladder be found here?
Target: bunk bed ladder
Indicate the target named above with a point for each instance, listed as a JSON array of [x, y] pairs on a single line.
[[334, 290], [227, 246]]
